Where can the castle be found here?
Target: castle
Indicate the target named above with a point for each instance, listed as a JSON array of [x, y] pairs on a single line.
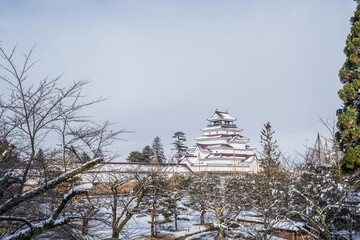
[[221, 148]]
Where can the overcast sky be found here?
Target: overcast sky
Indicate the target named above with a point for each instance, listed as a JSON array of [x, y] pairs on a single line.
[[167, 65]]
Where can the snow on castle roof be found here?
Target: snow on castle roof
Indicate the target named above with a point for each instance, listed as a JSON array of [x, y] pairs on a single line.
[[218, 115]]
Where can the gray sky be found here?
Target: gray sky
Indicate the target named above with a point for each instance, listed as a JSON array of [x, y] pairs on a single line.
[[167, 65]]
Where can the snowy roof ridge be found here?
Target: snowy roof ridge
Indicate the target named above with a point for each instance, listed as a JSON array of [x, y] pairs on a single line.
[[219, 115]]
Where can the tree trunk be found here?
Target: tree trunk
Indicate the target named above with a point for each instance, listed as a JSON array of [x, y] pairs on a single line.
[[24, 177], [221, 233], [85, 227], [265, 228], [130, 214], [115, 234], [175, 220], [153, 230], [202, 217], [221, 230]]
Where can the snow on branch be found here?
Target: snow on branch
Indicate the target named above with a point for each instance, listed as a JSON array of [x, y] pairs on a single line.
[[16, 200], [6, 153], [80, 189], [37, 228], [52, 221]]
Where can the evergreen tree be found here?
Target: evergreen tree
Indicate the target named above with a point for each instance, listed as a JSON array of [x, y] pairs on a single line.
[[181, 149], [266, 191], [147, 153], [157, 147], [85, 157], [135, 156], [270, 154], [40, 157], [349, 115], [158, 181], [172, 209]]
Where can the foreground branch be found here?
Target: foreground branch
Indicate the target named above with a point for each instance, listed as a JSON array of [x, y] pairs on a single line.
[[8, 205], [52, 221]]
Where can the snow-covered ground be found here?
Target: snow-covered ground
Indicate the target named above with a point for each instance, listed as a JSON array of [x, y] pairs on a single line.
[[140, 226]]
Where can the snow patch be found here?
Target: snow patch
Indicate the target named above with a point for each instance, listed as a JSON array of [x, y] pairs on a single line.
[[82, 187]]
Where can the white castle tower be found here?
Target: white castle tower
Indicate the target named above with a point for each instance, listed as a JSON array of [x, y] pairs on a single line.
[[221, 149]]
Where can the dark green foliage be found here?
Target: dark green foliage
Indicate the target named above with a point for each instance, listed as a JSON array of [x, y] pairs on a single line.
[[157, 147], [179, 143], [135, 156], [147, 153], [145, 156], [348, 124], [184, 181]]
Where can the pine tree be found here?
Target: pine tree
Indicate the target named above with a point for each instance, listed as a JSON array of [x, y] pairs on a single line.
[[157, 147], [266, 191], [270, 154], [172, 209], [40, 157], [179, 143], [147, 153], [153, 198], [349, 116]]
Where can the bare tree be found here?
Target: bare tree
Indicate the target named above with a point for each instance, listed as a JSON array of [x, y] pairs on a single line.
[[320, 199], [31, 227], [30, 114], [335, 154], [71, 123], [97, 137], [125, 196], [225, 201], [267, 195], [199, 195]]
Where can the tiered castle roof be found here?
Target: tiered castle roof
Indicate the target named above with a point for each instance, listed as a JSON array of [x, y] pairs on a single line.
[[221, 148]]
